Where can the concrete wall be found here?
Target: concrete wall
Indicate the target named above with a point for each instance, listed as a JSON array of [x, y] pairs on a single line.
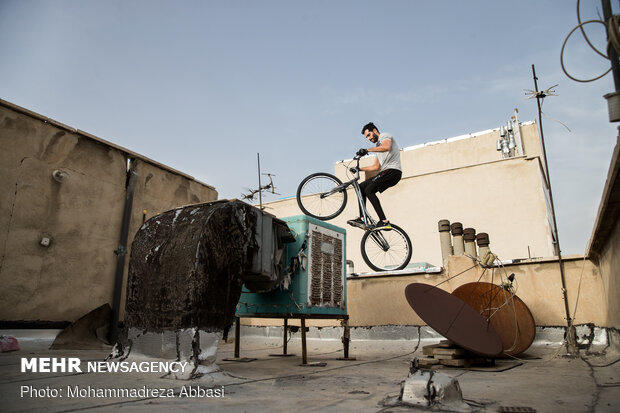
[[604, 245], [381, 300], [81, 214], [374, 300], [609, 264]]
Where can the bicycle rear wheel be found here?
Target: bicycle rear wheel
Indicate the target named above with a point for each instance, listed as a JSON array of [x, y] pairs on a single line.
[[320, 196], [385, 249]]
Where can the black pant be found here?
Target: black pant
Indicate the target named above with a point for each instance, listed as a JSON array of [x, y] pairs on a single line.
[[379, 183]]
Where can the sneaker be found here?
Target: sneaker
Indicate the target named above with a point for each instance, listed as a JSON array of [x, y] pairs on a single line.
[[357, 222], [383, 225]]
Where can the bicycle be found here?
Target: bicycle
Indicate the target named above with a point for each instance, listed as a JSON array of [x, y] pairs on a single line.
[[324, 196]]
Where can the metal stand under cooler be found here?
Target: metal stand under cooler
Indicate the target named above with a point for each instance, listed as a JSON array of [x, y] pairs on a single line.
[[315, 287]]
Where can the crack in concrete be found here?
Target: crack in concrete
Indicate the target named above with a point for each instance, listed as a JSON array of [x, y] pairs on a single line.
[[596, 396]]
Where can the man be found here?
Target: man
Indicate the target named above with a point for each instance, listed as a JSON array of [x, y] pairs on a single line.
[[387, 162]]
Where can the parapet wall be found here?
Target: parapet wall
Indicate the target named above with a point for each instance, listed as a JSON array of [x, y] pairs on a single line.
[[376, 300], [62, 197]]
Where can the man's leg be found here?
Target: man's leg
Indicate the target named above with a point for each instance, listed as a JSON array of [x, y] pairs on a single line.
[[380, 183], [370, 192]]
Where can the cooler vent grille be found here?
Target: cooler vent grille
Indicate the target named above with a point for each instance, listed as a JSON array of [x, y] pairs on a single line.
[[326, 270]]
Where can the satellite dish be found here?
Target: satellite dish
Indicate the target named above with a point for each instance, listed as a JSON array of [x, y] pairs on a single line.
[[507, 313], [454, 319]]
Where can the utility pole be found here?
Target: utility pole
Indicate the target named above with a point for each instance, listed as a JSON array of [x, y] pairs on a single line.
[[612, 54], [571, 336]]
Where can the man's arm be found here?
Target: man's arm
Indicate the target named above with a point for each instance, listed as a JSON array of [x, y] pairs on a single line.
[[371, 168], [385, 146]]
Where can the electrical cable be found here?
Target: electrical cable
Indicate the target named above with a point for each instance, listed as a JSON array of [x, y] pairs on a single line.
[[583, 32], [562, 54], [346, 366], [583, 266], [613, 34], [601, 365]]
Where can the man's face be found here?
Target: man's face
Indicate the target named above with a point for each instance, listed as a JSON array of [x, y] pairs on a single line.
[[372, 136]]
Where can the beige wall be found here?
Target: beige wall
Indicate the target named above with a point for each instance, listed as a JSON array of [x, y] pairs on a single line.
[[81, 215], [609, 263], [604, 245], [381, 300]]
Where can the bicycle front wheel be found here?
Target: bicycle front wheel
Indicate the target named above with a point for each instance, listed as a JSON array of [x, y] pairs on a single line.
[[321, 196], [384, 249]]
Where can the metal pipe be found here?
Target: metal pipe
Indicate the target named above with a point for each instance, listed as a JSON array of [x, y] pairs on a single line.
[[260, 191], [346, 337], [483, 242], [284, 344], [444, 239], [613, 54], [571, 339], [304, 350], [121, 253], [517, 133], [237, 336], [457, 238], [469, 238]]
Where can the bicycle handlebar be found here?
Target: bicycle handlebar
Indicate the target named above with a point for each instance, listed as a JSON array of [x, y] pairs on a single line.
[[356, 170]]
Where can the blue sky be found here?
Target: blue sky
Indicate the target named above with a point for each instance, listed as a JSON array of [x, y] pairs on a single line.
[[203, 86]]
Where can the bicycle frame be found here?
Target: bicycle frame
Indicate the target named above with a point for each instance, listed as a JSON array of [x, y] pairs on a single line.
[[380, 236], [368, 220], [358, 191]]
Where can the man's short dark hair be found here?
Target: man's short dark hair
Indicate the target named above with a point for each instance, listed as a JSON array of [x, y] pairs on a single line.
[[370, 126]]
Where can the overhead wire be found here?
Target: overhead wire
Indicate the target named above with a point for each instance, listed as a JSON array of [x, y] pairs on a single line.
[[613, 31]]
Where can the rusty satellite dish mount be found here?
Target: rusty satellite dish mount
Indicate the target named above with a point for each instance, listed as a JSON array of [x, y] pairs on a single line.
[[454, 319]]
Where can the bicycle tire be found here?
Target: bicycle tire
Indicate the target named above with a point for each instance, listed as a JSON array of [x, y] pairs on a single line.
[[395, 258], [321, 208]]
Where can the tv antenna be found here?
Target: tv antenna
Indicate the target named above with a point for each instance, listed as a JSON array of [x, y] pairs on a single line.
[[571, 338], [270, 187], [541, 94]]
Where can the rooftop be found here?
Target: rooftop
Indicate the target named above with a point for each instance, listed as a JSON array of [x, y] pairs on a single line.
[[542, 379]]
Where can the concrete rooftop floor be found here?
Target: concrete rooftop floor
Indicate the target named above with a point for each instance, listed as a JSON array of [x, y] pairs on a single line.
[[542, 379]]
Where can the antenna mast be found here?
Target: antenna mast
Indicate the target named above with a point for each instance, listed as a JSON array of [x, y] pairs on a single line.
[[260, 192], [571, 339]]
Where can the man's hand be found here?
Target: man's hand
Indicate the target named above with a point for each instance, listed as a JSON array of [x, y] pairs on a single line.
[[362, 152]]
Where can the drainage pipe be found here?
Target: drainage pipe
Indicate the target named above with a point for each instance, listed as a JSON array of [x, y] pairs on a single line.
[[469, 237], [457, 238], [445, 240], [132, 177]]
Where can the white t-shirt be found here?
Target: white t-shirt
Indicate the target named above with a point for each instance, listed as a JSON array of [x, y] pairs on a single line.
[[391, 158]]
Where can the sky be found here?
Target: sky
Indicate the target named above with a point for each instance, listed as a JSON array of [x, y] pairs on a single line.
[[205, 86]]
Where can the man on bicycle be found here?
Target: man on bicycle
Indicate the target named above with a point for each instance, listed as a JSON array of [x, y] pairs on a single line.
[[387, 162]]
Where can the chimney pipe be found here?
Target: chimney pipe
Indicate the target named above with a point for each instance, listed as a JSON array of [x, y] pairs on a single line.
[[482, 240], [444, 239], [469, 237], [457, 238]]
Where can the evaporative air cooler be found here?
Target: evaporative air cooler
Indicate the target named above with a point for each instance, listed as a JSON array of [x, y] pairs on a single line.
[[315, 284]]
